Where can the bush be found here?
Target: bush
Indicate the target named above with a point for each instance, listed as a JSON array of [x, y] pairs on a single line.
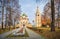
[[43, 25]]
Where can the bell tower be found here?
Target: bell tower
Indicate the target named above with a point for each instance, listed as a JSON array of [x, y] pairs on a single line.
[[38, 18]]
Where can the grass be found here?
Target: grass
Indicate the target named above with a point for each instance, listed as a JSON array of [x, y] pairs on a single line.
[[50, 35], [26, 35], [45, 32], [4, 30]]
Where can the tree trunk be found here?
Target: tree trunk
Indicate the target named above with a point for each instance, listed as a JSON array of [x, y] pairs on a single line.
[[58, 15], [2, 12], [53, 16], [14, 23], [6, 17]]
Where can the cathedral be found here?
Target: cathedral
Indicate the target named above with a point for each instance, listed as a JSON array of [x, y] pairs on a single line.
[[38, 18], [24, 20]]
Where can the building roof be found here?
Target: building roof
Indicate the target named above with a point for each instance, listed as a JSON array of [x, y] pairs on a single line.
[[24, 15]]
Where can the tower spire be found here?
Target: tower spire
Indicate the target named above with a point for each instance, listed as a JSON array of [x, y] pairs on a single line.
[[37, 10]]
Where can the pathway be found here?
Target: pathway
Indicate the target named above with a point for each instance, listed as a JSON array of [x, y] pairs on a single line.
[[32, 35]]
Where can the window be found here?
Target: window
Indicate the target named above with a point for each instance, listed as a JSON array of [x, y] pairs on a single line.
[[38, 14]]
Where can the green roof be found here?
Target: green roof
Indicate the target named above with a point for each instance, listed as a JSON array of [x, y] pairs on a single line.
[[24, 14]]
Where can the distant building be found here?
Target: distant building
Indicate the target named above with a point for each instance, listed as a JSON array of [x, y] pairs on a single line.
[[43, 21]]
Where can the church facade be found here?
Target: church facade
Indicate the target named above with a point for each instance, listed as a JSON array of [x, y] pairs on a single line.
[[24, 21]]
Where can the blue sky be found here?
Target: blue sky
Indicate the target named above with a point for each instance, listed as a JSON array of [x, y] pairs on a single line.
[[29, 7]]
